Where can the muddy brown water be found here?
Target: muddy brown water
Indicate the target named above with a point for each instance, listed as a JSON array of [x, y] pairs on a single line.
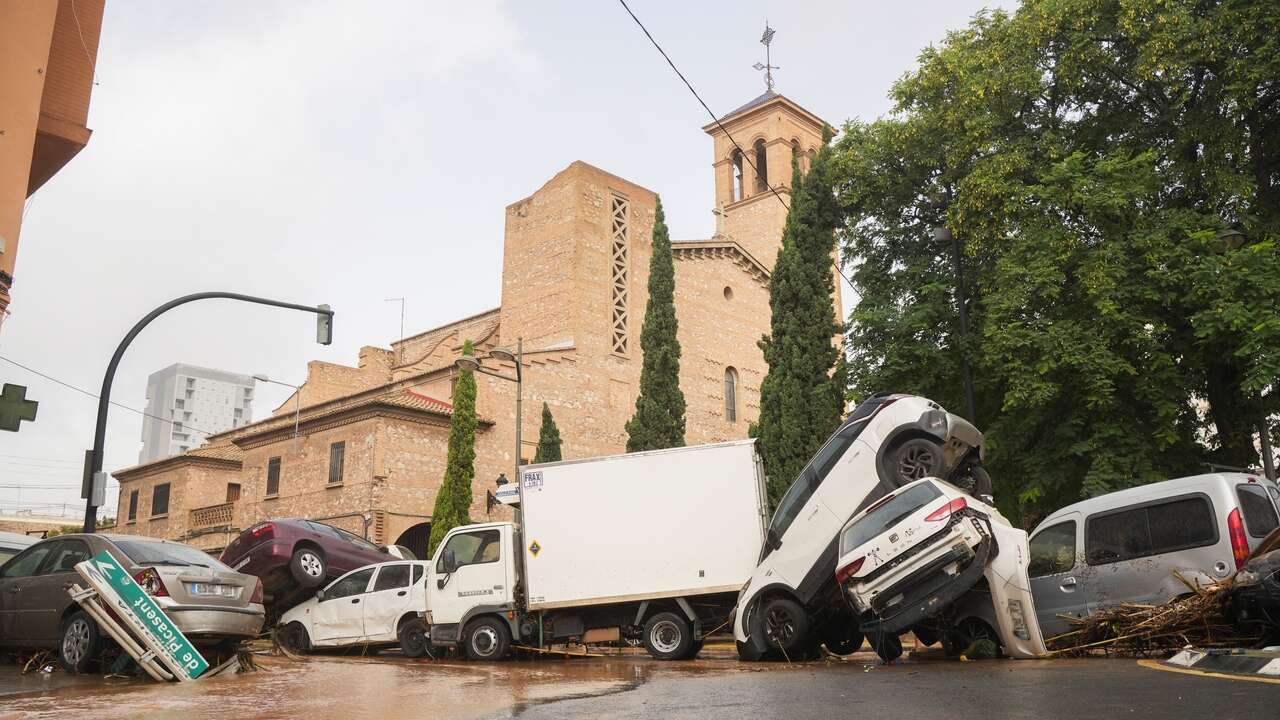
[[382, 687]]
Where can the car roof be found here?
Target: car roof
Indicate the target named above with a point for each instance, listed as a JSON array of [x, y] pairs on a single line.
[[1151, 491]]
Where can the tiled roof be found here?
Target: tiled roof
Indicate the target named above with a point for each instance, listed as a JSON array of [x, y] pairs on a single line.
[[762, 99], [401, 397], [223, 451]]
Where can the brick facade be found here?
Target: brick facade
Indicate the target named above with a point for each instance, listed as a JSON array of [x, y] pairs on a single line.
[[574, 289]]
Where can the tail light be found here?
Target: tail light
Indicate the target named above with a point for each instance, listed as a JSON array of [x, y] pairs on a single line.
[[1239, 543], [849, 570], [150, 581], [947, 510], [265, 531], [257, 592]]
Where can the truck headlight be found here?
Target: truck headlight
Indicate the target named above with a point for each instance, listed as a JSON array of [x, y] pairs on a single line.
[[1018, 620]]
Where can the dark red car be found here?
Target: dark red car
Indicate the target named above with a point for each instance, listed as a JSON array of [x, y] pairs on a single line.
[[293, 554]]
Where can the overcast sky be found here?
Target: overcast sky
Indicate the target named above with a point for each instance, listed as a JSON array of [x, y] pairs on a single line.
[[347, 152]]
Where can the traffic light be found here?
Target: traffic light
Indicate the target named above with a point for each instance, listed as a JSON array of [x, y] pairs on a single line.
[[324, 325]]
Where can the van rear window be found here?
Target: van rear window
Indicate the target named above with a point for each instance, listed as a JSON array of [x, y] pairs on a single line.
[[1259, 513], [1153, 529]]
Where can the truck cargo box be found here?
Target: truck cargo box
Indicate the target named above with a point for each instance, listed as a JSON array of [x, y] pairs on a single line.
[[667, 523]]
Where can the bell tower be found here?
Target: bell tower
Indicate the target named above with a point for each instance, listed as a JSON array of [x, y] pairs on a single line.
[[771, 132]]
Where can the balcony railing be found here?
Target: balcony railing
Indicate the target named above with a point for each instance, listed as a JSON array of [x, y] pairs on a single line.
[[212, 516]]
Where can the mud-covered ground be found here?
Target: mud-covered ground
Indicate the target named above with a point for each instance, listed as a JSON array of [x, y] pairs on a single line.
[[633, 686]]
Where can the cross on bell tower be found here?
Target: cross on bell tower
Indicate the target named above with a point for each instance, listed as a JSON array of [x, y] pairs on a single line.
[[767, 39]]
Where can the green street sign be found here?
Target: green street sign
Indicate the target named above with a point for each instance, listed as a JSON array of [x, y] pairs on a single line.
[[143, 615]]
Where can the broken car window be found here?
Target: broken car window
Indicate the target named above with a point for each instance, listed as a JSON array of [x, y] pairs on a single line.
[[352, 584], [391, 577]]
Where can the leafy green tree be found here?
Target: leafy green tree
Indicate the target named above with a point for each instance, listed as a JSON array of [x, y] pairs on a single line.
[[801, 397], [1088, 154], [548, 438], [658, 421], [453, 501]]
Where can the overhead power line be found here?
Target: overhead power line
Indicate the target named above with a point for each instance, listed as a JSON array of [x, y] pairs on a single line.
[[716, 119]]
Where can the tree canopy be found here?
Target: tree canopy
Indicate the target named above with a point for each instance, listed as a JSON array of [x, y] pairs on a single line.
[[1113, 172]]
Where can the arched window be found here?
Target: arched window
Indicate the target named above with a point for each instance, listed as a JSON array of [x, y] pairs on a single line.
[[730, 394], [813, 154], [737, 176], [797, 156], [762, 168]]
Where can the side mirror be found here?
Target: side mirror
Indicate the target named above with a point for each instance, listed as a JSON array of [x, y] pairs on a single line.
[[320, 596], [448, 561], [383, 549], [772, 541]]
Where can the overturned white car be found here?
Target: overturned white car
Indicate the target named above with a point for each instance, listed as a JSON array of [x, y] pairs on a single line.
[[932, 559]]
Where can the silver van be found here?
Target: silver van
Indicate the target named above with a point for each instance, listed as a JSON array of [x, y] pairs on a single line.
[[1125, 546]]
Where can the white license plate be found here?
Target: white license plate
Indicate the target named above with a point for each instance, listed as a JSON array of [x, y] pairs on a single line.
[[212, 590]]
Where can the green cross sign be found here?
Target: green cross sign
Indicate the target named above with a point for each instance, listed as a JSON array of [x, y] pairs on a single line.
[[15, 407]]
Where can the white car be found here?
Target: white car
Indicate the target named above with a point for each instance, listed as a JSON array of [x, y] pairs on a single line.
[[933, 559], [792, 601], [373, 605]]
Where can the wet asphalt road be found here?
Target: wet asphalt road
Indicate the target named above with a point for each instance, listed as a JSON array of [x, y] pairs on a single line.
[[635, 687]]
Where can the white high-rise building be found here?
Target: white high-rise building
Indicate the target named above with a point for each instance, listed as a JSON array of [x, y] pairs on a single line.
[[186, 403]]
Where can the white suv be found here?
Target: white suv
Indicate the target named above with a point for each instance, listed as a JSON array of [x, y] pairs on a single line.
[[792, 602], [906, 561]]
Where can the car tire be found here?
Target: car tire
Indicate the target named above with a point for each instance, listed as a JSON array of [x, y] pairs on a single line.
[[888, 646], [293, 637], [79, 642], [785, 626], [982, 488], [308, 567], [668, 636], [413, 638], [487, 639], [842, 638], [966, 633], [926, 636], [913, 459], [749, 652]]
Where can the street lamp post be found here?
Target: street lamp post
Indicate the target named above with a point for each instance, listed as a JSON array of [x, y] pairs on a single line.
[[324, 336], [944, 234], [471, 362], [297, 399]]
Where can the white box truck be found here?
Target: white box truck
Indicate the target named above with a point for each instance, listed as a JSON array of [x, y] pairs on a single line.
[[649, 548]]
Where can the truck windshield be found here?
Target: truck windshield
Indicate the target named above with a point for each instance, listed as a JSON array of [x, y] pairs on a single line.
[[819, 467], [886, 515]]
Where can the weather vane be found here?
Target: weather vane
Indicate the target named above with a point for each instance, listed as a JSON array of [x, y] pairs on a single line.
[[767, 39]]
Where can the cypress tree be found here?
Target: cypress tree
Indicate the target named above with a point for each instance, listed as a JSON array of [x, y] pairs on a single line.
[[659, 418], [453, 501], [800, 397], [548, 438]]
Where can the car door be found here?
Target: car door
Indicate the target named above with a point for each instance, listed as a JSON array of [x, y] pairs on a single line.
[[478, 579], [14, 576], [1056, 572], [45, 595], [387, 601], [339, 615]]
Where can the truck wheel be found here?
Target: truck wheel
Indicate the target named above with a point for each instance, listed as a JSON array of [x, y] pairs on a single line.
[[914, 459], [694, 650], [487, 639], [293, 637], [785, 625], [79, 642], [308, 567], [413, 638], [887, 645], [667, 636]]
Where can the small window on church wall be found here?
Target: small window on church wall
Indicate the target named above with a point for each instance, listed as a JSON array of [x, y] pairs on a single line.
[[762, 168], [730, 394], [797, 156], [619, 211], [728, 293], [737, 176], [813, 154]]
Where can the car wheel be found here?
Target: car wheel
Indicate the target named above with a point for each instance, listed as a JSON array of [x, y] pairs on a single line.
[[914, 459], [925, 636], [785, 625], [842, 638], [748, 652], [413, 638], [973, 638], [667, 636], [293, 637], [79, 642], [308, 567], [887, 645], [487, 639]]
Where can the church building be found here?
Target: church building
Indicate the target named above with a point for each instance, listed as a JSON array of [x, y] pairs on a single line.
[[369, 450]]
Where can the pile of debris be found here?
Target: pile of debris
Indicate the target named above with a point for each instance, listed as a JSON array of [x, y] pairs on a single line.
[[1198, 619]]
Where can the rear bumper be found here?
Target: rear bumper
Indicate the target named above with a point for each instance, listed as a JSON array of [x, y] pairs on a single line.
[[212, 621], [268, 561], [927, 591]]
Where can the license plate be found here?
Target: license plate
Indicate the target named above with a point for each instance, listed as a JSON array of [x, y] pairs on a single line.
[[212, 590], [241, 564]]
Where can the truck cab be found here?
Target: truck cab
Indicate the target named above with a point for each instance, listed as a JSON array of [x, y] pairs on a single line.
[[471, 589]]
